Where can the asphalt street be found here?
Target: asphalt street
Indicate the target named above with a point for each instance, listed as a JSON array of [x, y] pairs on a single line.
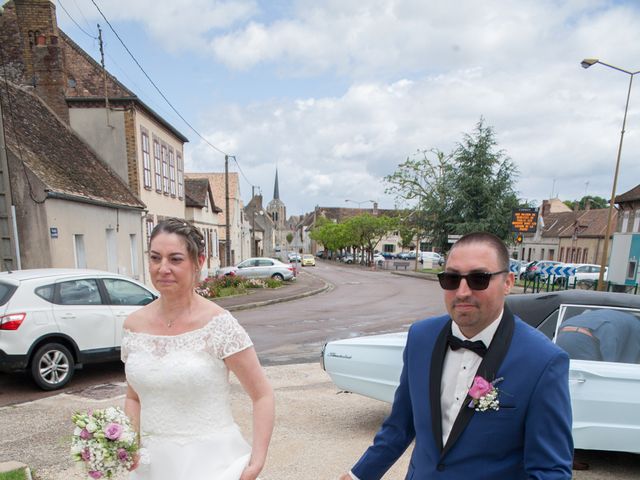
[[288, 337]]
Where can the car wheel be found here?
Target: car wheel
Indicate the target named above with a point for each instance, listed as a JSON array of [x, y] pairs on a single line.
[[52, 366], [277, 276]]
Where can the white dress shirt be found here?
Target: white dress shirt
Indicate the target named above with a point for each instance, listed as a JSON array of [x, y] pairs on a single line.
[[459, 369]]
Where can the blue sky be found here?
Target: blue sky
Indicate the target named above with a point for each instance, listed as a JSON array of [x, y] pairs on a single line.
[[338, 93]]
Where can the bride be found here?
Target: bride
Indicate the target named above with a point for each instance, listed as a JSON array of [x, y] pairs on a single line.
[[178, 351]]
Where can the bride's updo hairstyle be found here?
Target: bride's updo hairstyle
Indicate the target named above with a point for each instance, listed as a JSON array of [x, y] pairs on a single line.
[[192, 237]]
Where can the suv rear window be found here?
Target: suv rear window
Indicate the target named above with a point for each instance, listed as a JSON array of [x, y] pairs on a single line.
[[6, 292], [45, 292]]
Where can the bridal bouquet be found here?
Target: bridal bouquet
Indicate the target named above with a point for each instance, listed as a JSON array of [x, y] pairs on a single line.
[[104, 442]]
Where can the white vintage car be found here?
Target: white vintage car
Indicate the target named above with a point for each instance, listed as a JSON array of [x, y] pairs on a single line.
[[605, 394]]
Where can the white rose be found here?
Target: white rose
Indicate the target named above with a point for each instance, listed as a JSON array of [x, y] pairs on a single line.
[[76, 431], [91, 427]]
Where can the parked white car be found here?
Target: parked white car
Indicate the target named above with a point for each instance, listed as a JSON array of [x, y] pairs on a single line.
[[434, 257], [605, 396], [54, 320], [260, 267], [586, 272]]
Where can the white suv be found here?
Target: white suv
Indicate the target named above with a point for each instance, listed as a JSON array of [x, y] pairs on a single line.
[[54, 320]]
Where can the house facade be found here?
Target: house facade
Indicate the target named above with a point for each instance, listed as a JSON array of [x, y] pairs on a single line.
[[628, 211], [202, 211], [72, 210], [138, 145], [565, 235], [239, 226]]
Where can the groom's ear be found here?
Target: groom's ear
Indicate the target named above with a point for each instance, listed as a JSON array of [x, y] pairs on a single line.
[[509, 282]]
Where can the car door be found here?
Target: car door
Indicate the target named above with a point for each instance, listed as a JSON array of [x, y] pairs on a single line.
[[605, 395], [265, 268], [124, 298], [81, 314], [248, 268]]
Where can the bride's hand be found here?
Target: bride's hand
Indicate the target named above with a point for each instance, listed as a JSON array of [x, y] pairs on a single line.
[[250, 472], [136, 462]]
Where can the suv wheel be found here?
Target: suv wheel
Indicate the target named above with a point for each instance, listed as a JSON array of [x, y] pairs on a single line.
[[52, 366], [278, 276]]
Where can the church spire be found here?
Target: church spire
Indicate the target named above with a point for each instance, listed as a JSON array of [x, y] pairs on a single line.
[[276, 190]]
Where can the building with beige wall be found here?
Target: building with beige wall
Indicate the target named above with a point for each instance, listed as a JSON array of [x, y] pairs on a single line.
[[72, 209], [202, 211]]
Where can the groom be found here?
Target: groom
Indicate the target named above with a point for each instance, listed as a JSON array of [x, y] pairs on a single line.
[[525, 433]]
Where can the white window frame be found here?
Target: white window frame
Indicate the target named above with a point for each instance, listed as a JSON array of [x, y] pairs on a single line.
[[146, 159], [158, 164]]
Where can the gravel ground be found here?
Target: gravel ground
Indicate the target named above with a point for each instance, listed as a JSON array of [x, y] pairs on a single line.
[[319, 432]]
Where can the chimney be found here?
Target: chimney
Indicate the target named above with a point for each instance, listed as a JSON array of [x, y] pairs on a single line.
[[375, 208], [41, 53], [49, 78], [587, 204], [546, 207]]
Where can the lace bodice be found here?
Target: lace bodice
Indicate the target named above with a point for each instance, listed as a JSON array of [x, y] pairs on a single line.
[[182, 380]]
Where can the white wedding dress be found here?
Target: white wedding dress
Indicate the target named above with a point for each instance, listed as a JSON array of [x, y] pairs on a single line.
[[186, 425]]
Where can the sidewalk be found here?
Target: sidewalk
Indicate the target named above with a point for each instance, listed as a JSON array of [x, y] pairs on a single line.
[[304, 285]]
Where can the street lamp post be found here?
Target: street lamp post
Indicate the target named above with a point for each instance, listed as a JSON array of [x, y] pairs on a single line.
[[586, 63], [359, 203]]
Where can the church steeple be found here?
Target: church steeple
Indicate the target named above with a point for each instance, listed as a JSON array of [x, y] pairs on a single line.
[[276, 190]]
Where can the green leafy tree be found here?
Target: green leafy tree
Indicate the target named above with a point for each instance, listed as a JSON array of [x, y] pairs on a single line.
[[332, 236], [289, 237], [424, 181], [594, 201], [483, 194], [365, 231]]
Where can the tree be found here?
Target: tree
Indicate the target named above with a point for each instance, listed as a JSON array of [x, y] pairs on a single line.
[[289, 237], [332, 236], [424, 182], [483, 185], [365, 231], [593, 201]]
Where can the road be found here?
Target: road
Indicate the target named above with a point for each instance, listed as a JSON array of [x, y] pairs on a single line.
[[361, 302]]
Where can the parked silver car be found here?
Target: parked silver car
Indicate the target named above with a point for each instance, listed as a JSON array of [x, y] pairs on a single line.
[[605, 392], [260, 267], [54, 320]]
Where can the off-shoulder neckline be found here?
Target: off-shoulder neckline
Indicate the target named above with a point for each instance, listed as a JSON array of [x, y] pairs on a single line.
[[224, 313]]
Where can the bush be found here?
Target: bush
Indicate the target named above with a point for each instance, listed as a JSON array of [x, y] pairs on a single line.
[[228, 285]]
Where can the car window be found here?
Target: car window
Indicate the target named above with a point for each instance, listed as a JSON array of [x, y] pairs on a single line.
[[79, 292], [123, 292], [6, 291], [548, 325], [601, 334], [264, 263], [46, 292]]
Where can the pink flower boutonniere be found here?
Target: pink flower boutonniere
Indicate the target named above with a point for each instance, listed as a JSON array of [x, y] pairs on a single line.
[[484, 394]]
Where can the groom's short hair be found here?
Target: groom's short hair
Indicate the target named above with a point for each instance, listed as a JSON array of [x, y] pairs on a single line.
[[489, 239]]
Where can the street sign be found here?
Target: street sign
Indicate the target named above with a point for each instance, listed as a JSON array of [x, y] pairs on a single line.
[[559, 270], [524, 220]]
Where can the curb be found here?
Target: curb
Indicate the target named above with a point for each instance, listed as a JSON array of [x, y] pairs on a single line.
[[424, 276], [12, 466], [247, 306]]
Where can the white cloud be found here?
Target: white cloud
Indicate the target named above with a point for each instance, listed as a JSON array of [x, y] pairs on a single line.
[[418, 75]]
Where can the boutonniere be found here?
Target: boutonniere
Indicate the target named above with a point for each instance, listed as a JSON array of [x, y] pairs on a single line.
[[484, 394]]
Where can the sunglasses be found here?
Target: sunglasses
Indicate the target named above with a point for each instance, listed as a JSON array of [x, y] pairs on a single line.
[[475, 280]]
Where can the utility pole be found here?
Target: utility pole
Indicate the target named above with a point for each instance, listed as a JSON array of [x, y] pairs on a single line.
[[227, 244], [104, 75]]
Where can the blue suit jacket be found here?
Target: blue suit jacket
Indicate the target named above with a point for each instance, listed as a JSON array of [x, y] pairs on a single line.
[[529, 437]]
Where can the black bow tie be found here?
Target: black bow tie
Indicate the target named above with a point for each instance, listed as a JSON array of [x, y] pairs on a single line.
[[478, 346]]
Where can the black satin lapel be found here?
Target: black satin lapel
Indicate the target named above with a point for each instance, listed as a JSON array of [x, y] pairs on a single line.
[[488, 369], [435, 383]]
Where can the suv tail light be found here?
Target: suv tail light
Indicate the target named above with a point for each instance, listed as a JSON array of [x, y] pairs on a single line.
[[12, 321]]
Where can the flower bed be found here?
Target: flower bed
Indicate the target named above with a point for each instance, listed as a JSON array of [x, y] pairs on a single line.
[[228, 285]]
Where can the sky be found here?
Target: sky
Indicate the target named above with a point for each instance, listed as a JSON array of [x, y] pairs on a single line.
[[336, 94]]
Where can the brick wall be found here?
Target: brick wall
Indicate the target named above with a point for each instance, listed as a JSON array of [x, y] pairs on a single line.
[[132, 149], [34, 17], [11, 45]]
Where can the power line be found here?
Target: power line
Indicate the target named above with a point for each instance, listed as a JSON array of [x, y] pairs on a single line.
[[74, 21], [155, 86]]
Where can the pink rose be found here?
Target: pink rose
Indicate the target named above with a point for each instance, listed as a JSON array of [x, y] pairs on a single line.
[[84, 434], [123, 456], [113, 431], [480, 388], [95, 474], [86, 455]]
